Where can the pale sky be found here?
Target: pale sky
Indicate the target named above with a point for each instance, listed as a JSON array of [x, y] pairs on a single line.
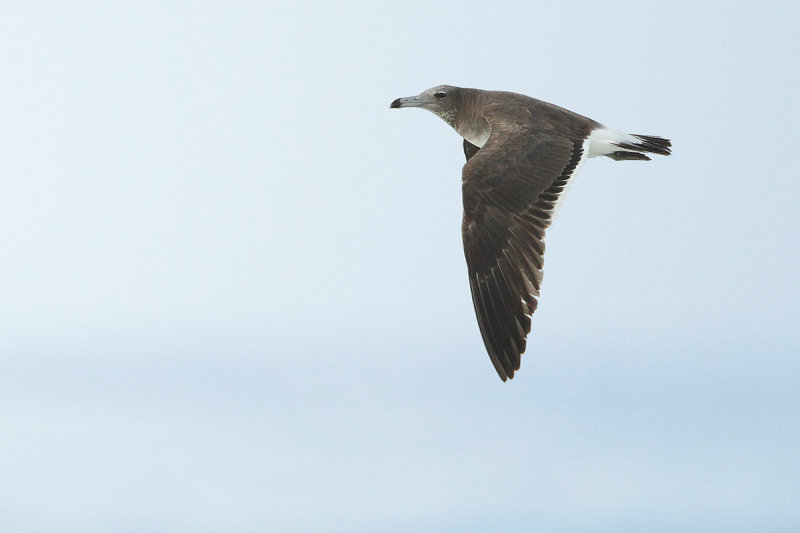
[[233, 295]]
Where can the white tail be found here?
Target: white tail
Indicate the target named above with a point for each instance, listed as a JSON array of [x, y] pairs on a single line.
[[619, 145]]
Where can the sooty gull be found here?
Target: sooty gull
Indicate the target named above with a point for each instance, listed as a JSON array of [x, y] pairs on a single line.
[[521, 156]]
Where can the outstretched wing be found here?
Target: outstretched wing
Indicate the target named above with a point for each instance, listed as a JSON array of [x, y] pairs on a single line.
[[511, 190]]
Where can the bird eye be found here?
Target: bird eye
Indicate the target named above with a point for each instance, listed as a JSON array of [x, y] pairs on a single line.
[[440, 94]]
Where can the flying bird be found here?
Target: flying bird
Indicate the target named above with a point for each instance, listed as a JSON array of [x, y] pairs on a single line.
[[521, 155]]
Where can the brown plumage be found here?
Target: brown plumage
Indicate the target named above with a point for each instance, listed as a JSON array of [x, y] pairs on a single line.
[[521, 154]]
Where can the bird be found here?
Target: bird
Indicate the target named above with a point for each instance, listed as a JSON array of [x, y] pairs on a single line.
[[521, 156]]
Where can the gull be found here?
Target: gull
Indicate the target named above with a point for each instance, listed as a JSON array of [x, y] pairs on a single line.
[[522, 154]]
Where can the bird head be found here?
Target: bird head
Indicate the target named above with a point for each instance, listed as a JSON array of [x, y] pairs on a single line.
[[443, 101]]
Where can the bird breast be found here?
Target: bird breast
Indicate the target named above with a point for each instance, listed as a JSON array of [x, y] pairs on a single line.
[[474, 129]]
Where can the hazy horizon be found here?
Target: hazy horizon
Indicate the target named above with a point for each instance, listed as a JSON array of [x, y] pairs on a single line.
[[233, 294]]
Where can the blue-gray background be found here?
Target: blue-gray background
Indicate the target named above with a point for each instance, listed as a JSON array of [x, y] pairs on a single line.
[[233, 295]]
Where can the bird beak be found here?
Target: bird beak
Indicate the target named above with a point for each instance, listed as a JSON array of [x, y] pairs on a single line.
[[408, 101]]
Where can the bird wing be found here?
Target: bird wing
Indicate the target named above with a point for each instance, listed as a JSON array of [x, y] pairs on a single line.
[[511, 189], [470, 149]]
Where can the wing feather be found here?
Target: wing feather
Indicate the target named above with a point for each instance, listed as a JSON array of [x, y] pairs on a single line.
[[511, 188]]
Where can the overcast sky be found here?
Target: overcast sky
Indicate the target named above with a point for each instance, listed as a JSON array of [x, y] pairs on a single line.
[[233, 295]]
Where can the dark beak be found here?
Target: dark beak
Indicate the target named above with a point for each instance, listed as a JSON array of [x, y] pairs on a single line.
[[408, 101]]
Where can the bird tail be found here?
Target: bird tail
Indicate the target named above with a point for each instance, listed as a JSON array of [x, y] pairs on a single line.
[[639, 145]]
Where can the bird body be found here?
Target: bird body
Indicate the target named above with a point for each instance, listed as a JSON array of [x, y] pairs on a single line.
[[521, 156]]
